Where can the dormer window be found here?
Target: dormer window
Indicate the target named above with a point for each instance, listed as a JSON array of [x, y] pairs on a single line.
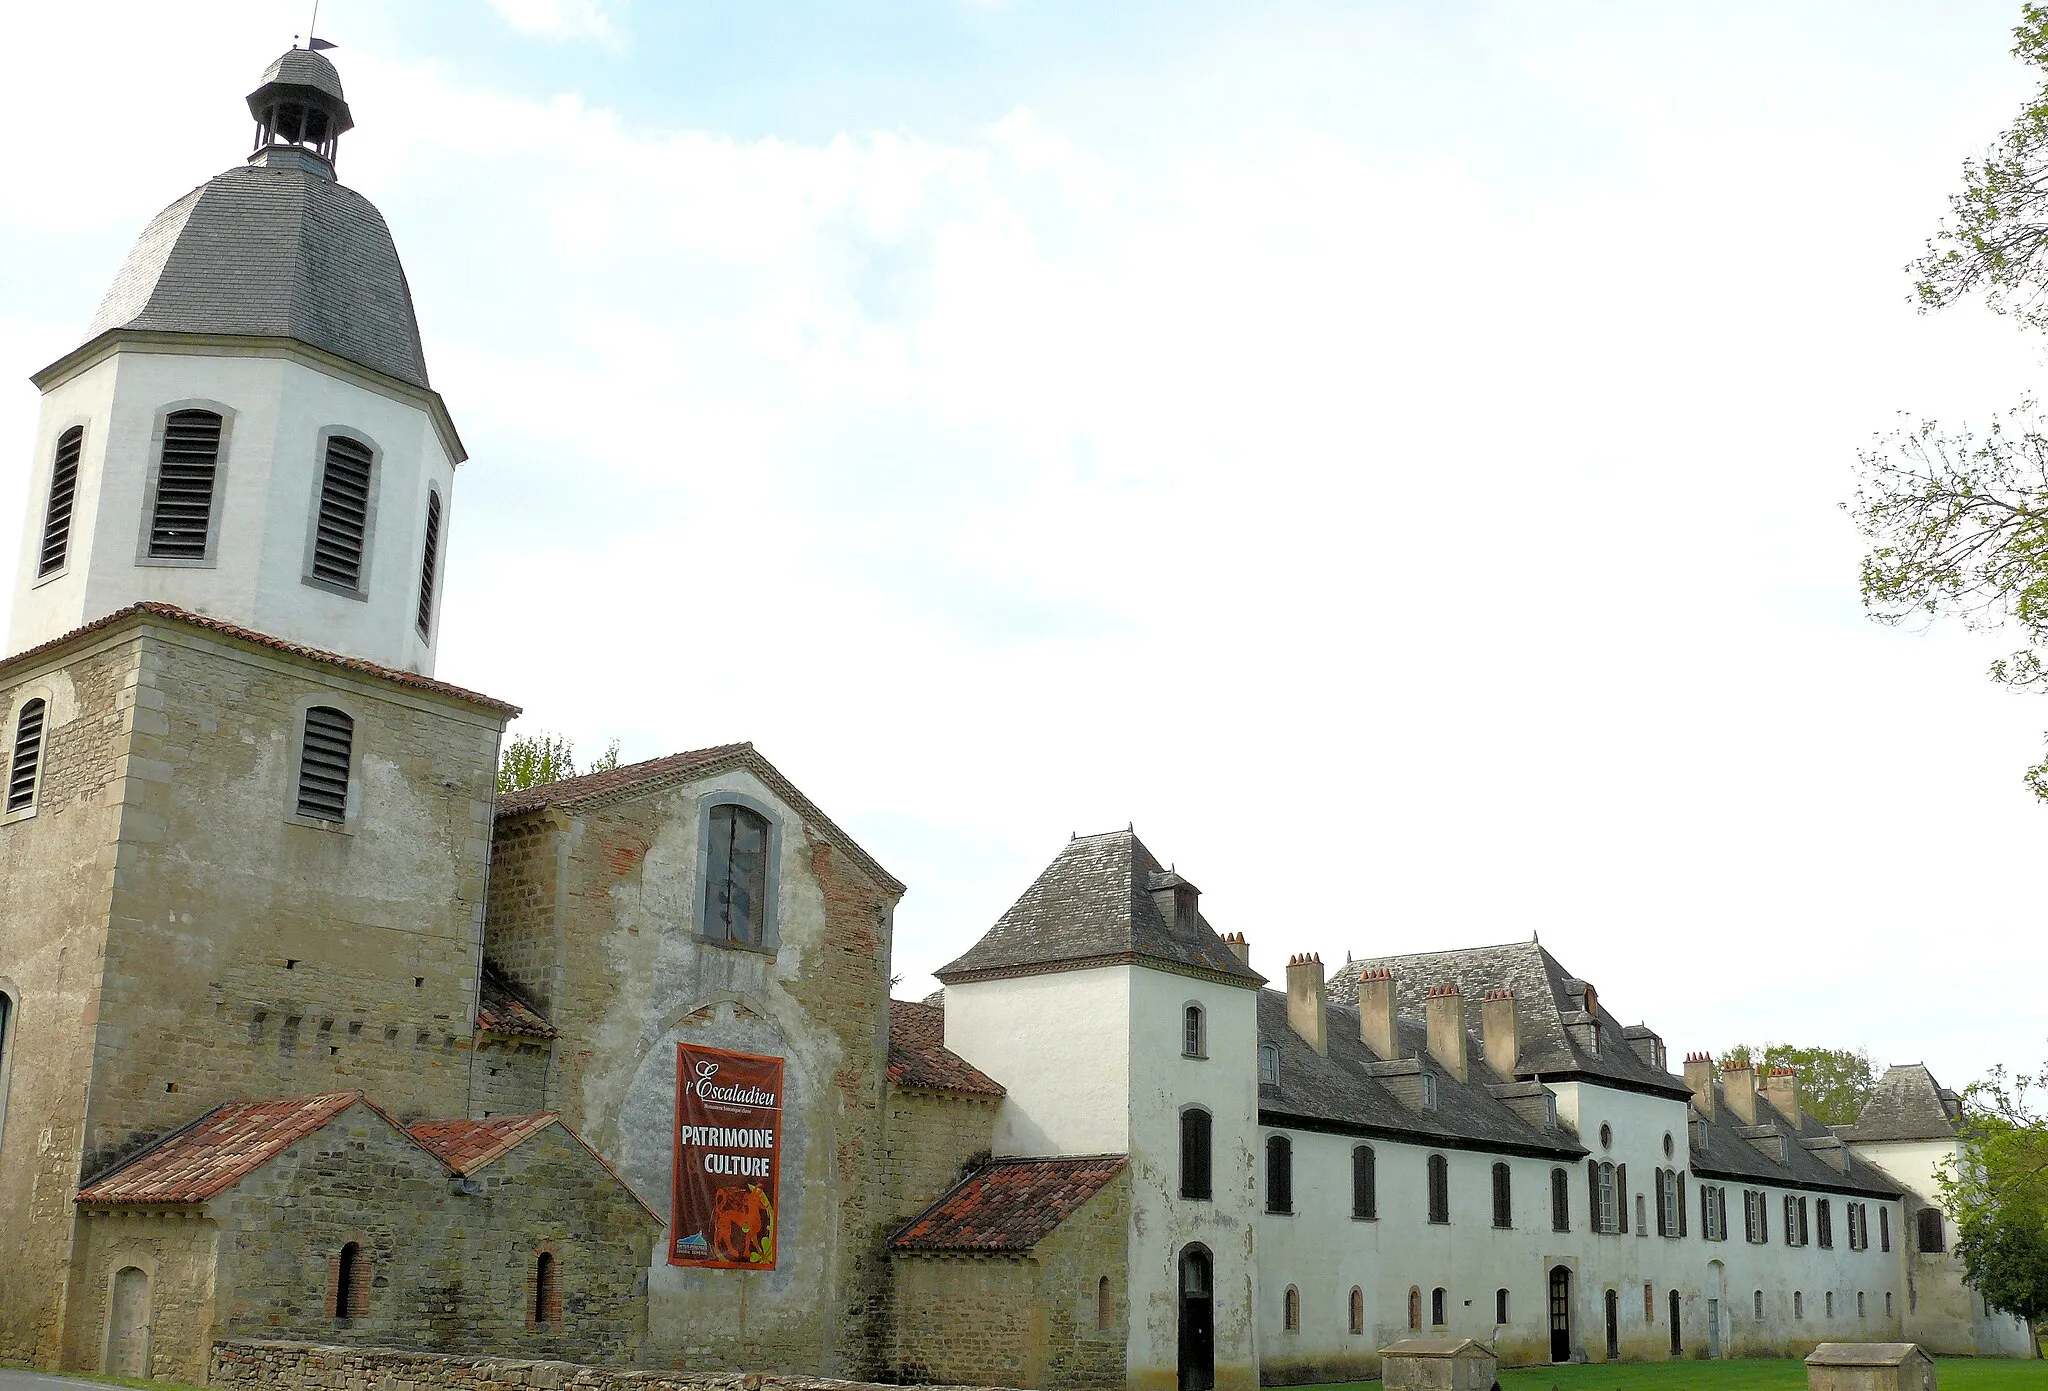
[[1428, 1091], [1269, 1065]]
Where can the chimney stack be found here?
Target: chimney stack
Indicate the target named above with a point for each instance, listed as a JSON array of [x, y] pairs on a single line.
[[1699, 1079], [1239, 948], [1500, 1030], [1307, 1010], [1781, 1090], [1445, 1011], [1376, 1027], [1738, 1080]]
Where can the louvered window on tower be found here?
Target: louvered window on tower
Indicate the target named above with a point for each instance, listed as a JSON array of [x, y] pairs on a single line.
[[344, 514], [323, 764], [63, 491], [28, 754], [429, 556], [182, 517]]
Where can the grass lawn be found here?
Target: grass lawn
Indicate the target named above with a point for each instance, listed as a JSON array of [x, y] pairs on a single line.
[[1765, 1374]]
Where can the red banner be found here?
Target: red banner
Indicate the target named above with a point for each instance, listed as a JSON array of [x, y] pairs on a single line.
[[728, 1159]]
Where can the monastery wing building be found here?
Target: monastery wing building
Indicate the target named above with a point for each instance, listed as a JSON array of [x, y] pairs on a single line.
[[307, 1034]]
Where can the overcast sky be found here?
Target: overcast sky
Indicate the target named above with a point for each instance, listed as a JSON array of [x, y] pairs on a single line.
[[1390, 453]]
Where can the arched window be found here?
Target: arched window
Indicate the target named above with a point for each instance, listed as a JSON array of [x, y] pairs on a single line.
[[24, 771], [1105, 1306], [1357, 1309], [1439, 1190], [1500, 1306], [1415, 1309], [1290, 1312], [547, 1297], [1365, 1186], [1194, 1033], [1503, 1197], [1195, 1182], [325, 749], [1269, 1065], [1759, 1306], [1560, 1201], [351, 1283], [1677, 1336], [1829, 1309], [1606, 1198], [1279, 1174], [181, 503], [1606, 1136], [1932, 1237], [1436, 1307], [1859, 1305], [430, 557], [342, 524], [1887, 1297], [1798, 1304], [736, 881], [63, 492]]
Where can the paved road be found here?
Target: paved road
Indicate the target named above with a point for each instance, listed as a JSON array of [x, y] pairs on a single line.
[[14, 1379]]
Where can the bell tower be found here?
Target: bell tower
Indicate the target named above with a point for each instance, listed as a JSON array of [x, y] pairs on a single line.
[[248, 431]]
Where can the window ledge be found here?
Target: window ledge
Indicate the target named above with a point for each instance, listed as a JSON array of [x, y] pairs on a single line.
[[361, 596], [177, 562], [315, 823], [758, 949], [9, 818]]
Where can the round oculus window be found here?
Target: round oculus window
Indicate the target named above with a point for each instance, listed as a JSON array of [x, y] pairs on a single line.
[[1669, 1148], [1606, 1136]]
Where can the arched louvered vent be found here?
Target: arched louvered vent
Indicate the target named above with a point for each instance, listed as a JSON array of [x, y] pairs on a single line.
[[182, 518], [28, 752], [63, 491], [429, 557], [323, 764], [344, 514]]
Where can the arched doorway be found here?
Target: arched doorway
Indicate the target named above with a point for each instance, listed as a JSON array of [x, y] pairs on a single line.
[[1197, 1320], [1716, 1297], [128, 1324], [1613, 1302], [1560, 1313]]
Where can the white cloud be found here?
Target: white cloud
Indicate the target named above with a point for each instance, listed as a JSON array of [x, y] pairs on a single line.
[[562, 19]]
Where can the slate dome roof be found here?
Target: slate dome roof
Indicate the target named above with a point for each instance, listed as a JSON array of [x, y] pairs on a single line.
[[302, 67]]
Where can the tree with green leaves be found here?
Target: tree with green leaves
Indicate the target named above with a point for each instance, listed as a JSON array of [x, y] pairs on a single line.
[[1833, 1082], [1958, 519], [1997, 1195], [530, 760]]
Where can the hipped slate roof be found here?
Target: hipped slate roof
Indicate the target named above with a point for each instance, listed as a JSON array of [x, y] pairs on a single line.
[[1008, 1205], [1544, 993], [499, 1010], [918, 1056], [636, 779], [1093, 904], [1729, 1153], [269, 251], [218, 1150], [1907, 1105]]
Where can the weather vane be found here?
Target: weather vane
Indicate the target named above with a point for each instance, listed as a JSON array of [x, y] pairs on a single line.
[[314, 43]]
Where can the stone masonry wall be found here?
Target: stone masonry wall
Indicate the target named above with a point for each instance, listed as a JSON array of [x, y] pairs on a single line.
[[932, 1139], [525, 939], [176, 1250], [56, 879], [510, 1076]]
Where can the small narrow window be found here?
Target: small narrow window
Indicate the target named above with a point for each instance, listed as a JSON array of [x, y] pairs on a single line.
[[1560, 1201], [547, 1300], [1415, 1309], [181, 520], [324, 756], [1884, 1240], [1195, 1128], [1365, 1195], [1105, 1306], [349, 1292], [1503, 1197], [1500, 1306], [1429, 1091], [1279, 1174], [63, 492], [736, 889], [1194, 1041], [1436, 1307], [1824, 1223], [1829, 1310], [1932, 1237], [1759, 1306], [1649, 1302], [1291, 1309], [1887, 1295], [1269, 1065], [1677, 1336], [1860, 1313], [344, 519], [430, 556], [1805, 1233], [1439, 1191], [1798, 1304], [23, 772], [1357, 1309]]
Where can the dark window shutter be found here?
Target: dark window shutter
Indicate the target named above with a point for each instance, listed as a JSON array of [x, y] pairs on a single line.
[[344, 513], [1279, 1174], [1660, 1204], [1621, 1198], [1560, 1201], [63, 492], [1503, 1197], [323, 764], [1679, 1203], [183, 513], [1884, 1228], [1824, 1220], [1439, 1189], [1365, 1197], [430, 556], [1195, 1182], [28, 749], [736, 891], [1594, 1216]]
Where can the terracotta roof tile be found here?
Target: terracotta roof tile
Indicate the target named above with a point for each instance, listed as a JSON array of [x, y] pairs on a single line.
[[466, 1146], [1010, 1205], [500, 1010], [918, 1056], [175, 614], [219, 1149]]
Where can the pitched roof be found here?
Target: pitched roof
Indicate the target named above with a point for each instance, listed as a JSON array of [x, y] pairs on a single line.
[[918, 1056], [219, 1149], [222, 628], [1730, 1151], [1908, 1104], [1008, 1205], [500, 1010], [1093, 904], [1547, 999], [466, 1146], [635, 779]]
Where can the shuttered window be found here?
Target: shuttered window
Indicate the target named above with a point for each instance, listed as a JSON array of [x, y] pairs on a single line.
[[1439, 1189], [430, 556], [63, 492], [1279, 1174], [323, 764], [1365, 1184], [1503, 1197], [1560, 1201], [1824, 1222], [183, 512], [344, 518], [1195, 1127], [28, 753], [736, 887], [1884, 1233]]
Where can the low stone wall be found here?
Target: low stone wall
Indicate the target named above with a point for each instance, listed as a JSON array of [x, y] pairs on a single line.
[[263, 1365]]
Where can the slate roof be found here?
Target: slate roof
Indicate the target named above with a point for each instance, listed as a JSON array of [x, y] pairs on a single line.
[[302, 67], [1907, 1105], [918, 1056], [635, 779], [466, 1146], [218, 1150], [1093, 904], [500, 1010], [1008, 1205], [272, 251], [1730, 1155], [1337, 1092], [1544, 993]]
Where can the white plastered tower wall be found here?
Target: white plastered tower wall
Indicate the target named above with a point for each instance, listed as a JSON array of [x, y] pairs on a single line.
[[280, 405]]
